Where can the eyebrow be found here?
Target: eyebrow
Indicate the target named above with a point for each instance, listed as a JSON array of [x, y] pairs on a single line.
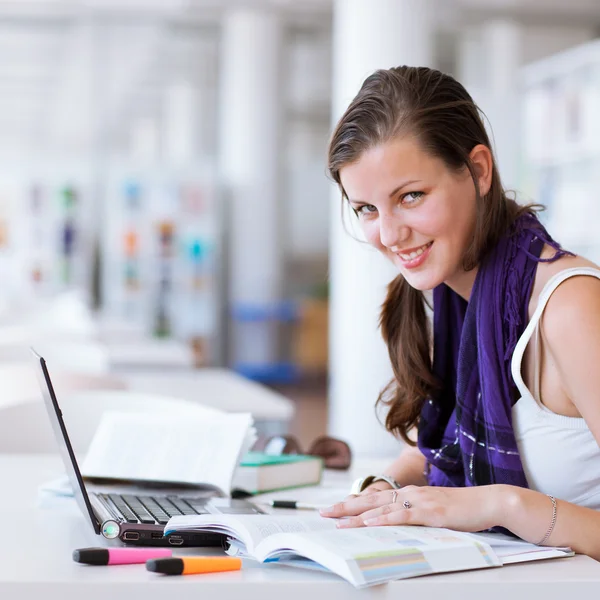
[[392, 193]]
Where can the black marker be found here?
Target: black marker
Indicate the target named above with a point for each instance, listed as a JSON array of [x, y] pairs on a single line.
[[295, 505]]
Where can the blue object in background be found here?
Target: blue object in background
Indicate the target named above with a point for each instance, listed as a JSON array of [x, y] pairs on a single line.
[[285, 311], [279, 372], [133, 192]]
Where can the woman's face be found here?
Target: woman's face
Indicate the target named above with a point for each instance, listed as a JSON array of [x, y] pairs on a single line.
[[416, 211]]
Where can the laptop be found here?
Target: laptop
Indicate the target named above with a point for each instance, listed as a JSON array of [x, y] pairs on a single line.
[[132, 513]]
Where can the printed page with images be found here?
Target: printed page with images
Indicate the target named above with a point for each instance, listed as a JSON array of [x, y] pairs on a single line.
[[364, 556], [194, 447], [372, 555]]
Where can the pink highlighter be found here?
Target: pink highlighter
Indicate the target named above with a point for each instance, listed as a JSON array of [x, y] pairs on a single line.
[[119, 556]]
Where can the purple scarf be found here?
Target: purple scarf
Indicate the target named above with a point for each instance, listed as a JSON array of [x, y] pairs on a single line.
[[465, 431]]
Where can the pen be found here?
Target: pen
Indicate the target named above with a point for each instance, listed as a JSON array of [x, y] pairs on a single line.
[[295, 504], [118, 556], [192, 565]]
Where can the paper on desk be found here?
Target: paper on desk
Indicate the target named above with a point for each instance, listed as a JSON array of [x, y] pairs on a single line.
[[61, 486], [188, 447], [512, 550]]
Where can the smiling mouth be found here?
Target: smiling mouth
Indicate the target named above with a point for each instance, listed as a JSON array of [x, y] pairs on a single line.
[[415, 253]]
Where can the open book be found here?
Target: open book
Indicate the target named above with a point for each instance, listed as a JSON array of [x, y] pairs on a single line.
[[364, 556], [197, 446]]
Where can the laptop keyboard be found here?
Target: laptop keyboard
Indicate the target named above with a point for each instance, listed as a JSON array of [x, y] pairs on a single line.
[[154, 509]]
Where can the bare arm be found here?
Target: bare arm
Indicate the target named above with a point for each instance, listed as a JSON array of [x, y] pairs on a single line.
[[407, 469], [528, 514], [571, 328], [525, 512]]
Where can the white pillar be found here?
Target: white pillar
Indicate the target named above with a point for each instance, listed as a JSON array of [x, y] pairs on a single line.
[[367, 36], [180, 126], [248, 130], [471, 65], [502, 49], [144, 140]]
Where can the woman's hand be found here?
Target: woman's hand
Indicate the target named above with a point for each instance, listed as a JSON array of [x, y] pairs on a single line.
[[378, 486], [463, 509]]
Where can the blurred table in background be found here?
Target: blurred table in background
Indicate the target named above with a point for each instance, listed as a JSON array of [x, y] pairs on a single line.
[[130, 347], [218, 388], [167, 367], [149, 353], [96, 364]]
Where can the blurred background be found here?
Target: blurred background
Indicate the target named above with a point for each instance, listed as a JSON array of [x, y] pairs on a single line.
[[164, 204]]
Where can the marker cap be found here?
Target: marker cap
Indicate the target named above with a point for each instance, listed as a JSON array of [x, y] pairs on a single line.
[[91, 556]]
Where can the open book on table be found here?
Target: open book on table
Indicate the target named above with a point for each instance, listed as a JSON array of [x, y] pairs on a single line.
[[195, 445], [364, 556]]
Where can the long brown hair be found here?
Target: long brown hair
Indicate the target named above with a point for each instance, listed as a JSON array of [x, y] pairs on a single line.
[[438, 111]]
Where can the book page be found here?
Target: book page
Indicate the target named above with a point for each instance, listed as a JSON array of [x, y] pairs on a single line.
[[251, 530], [371, 555], [193, 447], [514, 550]]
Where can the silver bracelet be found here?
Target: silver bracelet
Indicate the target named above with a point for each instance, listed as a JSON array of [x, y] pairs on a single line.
[[552, 523], [363, 482]]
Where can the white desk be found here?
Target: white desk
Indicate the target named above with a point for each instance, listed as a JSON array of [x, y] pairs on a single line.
[[37, 542], [217, 388], [129, 345], [148, 352]]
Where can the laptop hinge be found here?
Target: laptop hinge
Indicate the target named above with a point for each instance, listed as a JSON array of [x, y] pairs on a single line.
[[103, 510]]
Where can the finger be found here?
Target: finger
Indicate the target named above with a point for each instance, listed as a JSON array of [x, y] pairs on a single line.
[[382, 510], [346, 499], [358, 505], [350, 522], [400, 516], [359, 520]]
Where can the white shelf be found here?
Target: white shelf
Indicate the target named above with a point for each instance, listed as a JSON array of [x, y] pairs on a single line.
[[561, 65], [561, 161]]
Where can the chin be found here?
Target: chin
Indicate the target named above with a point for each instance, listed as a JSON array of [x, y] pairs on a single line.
[[422, 281]]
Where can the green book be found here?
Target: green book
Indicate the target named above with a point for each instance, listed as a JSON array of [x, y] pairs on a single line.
[[259, 472]]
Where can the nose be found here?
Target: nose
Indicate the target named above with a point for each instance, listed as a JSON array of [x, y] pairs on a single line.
[[392, 230]]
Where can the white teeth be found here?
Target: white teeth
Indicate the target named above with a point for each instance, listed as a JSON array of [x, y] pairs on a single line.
[[416, 253]]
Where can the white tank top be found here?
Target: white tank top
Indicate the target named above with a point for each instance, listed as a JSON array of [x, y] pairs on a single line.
[[560, 455]]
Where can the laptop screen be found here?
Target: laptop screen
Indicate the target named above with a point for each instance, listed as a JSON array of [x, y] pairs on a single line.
[[62, 438]]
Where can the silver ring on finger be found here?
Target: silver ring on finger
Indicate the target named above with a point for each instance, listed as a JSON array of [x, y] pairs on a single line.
[[394, 496], [406, 504]]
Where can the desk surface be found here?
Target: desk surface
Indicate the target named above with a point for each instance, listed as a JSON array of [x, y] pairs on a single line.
[[218, 388], [40, 535], [148, 352]]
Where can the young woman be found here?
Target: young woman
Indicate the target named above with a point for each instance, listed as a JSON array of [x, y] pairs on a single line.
[[505, 391]]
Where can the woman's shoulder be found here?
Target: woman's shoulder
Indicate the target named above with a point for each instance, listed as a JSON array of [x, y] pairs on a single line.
[[570, 328], [549, 269], [570, 289]]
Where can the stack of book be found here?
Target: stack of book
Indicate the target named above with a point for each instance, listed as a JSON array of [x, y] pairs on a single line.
[[260, 473], [203, 447]]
